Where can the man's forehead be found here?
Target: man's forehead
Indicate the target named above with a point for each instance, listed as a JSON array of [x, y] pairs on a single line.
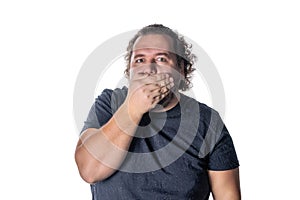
[[150, 51], [154, 41]]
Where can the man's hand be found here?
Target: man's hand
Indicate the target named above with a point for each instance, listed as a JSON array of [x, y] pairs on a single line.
[[145, 91]]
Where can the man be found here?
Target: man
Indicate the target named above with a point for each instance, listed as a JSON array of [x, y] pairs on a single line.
[[149, 141]]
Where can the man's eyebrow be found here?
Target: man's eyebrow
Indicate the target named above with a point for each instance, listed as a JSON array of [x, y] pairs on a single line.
[[138, 55], [163, 54], [157, 54]]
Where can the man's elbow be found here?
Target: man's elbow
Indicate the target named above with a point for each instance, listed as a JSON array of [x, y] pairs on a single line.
[[87, 177], [90, 169], [87, 166]]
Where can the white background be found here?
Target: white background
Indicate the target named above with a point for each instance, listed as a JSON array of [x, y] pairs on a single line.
[[255, 46]]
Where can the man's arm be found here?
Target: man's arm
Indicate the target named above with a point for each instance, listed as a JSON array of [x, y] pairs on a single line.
[[225, 185], [100, 152]]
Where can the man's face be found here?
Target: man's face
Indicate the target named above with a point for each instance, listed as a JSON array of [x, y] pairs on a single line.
[[153, 54]]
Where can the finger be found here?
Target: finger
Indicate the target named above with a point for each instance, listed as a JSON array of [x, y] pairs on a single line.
[[165, 82], [156, 78], [161, 88], [158, 98], [161, 76], [159, 94], [140, 76], [155, 101]]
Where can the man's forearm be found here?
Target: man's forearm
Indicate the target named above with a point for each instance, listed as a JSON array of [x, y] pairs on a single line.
[[101, 151]]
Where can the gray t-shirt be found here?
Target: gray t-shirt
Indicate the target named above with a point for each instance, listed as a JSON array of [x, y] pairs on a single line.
[[170, 153]]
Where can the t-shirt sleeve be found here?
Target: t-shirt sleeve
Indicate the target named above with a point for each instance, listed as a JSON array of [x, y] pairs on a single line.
[[91, 121], [100, 111], [217, 146], [223, 156]]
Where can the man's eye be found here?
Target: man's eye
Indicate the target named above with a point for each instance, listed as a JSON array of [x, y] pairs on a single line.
[[140, 60], [161, 59]]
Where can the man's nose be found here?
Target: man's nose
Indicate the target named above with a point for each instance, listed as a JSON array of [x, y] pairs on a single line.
[[151, 68]]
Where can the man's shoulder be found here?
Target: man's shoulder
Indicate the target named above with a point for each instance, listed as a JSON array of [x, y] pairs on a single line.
[[110, 94], [190, 100], [112, 98]]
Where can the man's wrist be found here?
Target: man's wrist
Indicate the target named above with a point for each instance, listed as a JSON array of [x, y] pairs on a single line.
[[127, 120]]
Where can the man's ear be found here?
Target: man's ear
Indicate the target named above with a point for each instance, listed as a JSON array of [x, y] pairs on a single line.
[[182, 75], [181, 66]]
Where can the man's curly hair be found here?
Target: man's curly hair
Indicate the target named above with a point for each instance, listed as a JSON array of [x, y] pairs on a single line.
[[183, 51]]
